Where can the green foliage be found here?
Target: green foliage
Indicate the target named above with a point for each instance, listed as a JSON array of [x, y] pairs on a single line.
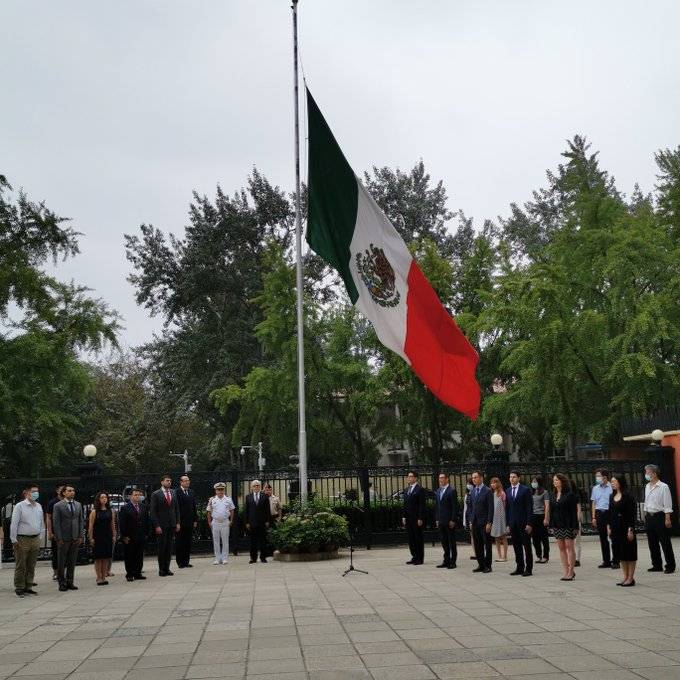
[[310, 527]]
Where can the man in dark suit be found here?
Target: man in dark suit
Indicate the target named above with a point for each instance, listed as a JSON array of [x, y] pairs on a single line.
[[519, 511], [188, 521], [257, 516], [446, 508], [414, 518], [165, 520], [481, 518], [133, 520]]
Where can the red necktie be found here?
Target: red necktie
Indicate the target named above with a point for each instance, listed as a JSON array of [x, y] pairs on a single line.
[[168, 499]]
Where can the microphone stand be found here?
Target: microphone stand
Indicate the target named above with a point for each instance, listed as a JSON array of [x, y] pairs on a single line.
[[351, 567]]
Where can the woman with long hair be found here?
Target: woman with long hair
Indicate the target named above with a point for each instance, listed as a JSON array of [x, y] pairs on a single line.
[[562, 516], [499, 527], [621, 528], [101, 531], [539, 531]]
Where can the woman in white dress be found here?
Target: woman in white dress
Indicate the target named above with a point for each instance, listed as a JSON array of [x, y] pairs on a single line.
[[499, 527]]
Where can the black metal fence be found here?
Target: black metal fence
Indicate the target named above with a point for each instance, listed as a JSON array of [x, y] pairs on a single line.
[[370, 497]]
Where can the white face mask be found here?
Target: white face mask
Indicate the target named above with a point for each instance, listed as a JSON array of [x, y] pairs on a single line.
[[469, 487], [598, 480], [534, 485], [648, 477]]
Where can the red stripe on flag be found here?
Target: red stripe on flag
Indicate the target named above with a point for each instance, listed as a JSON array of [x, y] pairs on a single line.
[[441, 356]]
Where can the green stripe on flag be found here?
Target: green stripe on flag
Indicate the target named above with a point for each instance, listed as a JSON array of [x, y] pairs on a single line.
[[332, 198]]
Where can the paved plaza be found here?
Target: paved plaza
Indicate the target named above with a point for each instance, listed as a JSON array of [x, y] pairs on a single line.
[[302, 620]]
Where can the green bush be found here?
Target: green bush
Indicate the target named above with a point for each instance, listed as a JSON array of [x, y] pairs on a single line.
[[309, 527]]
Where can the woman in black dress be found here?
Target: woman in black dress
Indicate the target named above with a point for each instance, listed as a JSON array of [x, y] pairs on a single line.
[[621, 528], [562, 516], [102, 533]]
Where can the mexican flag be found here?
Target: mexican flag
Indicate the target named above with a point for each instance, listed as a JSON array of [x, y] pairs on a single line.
[[349, 231]]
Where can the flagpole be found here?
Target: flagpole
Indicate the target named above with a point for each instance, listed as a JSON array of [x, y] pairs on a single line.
[[302, 429]]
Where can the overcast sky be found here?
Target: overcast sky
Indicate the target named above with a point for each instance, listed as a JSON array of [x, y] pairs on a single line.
[[114, 112]]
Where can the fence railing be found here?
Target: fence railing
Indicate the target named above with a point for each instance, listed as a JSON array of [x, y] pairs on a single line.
[[370, 497]]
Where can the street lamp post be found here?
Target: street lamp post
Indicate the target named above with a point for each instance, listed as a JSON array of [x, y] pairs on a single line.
[[261, 460], [185, 457]]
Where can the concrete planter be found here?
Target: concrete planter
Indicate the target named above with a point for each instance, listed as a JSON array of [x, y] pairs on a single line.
[[305, 557]]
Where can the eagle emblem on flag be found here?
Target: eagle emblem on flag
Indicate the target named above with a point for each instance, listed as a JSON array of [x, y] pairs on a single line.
[[378, 276]]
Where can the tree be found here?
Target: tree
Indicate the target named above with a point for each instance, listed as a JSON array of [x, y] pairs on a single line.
[[46, 324]]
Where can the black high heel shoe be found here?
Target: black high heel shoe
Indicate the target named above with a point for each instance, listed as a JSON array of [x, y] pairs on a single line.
[[628, 585]]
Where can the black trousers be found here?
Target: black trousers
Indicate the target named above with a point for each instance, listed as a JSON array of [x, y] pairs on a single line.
[[55, 554], [258, 542], [521, 544], [659, 538], [183, 545], [602, 519], [539, 537], [165, 549], [416, 540], [482, 542], [66, 567], [448, 539], [133, 555]]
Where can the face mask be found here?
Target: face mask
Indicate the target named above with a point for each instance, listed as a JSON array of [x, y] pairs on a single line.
[[648, 477], [598, 480], [469, 487], [141, 498], [35, 495], [534, 485]]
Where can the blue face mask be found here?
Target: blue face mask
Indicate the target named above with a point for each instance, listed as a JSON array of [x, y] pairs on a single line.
[[35, 495], [534, 485], [648, 477], [141, 498]]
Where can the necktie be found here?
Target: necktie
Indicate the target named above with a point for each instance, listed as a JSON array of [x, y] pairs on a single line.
[[167, 497], [70, 506], [136, 508], [257, 498], [514, 492]]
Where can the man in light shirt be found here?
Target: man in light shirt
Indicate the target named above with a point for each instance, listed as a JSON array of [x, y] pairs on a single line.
[[25, 529], [220, 513], [599, 509], [658, 513]]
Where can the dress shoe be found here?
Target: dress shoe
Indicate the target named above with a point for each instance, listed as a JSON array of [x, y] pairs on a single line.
[[417, 562], [162, 573], [668, 571], [527, 573], [443, 565], [30, 591], [517, 572], [451, 566], [604, 565], [63, 588], [70, 586], [486, 570], [188, 566], [33, 584], [252, 561], [20, 593], [472, 557], [129, 578], [616, 565], [628, 585], [169, 573], [264, 561], [655, 569], [139, 577], [478, 570], [181, 566], [576, 564], [411, 561]]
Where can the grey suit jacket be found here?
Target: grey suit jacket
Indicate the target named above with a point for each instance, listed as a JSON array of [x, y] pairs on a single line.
[[67, 526], [161, 514]]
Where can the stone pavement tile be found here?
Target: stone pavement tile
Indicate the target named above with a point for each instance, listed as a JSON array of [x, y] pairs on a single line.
[[35, 646], [390, 659], [368, 625], [373, 636], [324, 639], [221, 645], [87, 635], [213, 635], [543, 638], [119, 663], [660, 644], [672, 654], [521, 666], [464, 670], [98, 675], [137, 641], [271, 643], [497, 653], [315, 651], [381, 647], [47, 667], [561, 625], [334, 663], [432, 656], [215, 657], [176, 673], [638, 659], [269, 632], [578, 636], [296, 675], [166, 661], [60, 676], [281, 666], [275, 653], [17, 657], [155, 649], [636, 633], [422, 634], [659, 673], [314, 630], [9, 668], [544, 676], [601, 646], [227, 670], [435, 643], [115, 652], [493, 640], [581, 662], [340, 675], [402, 673], [618, 674], [172, 638], [562, 649]]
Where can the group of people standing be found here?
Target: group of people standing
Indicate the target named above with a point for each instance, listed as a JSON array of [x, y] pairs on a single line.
[[172, 514], [527, 514]]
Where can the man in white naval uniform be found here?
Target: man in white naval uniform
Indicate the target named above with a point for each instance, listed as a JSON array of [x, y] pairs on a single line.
[[220, 512]]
